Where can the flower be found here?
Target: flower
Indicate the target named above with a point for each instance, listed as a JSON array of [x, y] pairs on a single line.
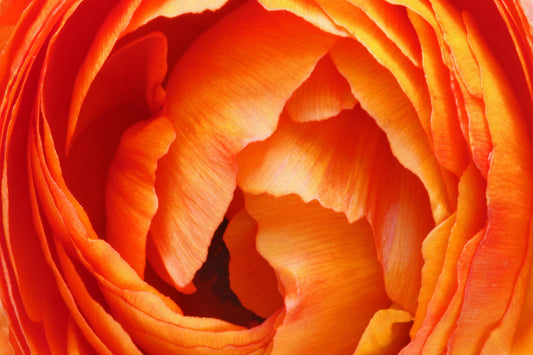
[[267, 176]]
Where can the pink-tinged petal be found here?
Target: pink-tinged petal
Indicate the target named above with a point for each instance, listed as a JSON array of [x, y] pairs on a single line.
[[330, 276], [309, 11], [251, 277], [131, 201], [380, 95], [127, 90], [449, 144], [345, 163], [386, 334], [323, 95], [227, 90]]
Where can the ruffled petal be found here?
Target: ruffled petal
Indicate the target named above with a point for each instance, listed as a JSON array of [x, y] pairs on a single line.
[[10, 11], [386, 334], [251, 277], [380, 95], [131, 201], [449, 144], [499, 259], [149, 10], [323, 95], [442, 251], [152, 320], [227, 90], [309, 11], [345, 163], [433, 252], [331, 278], [116, 100]]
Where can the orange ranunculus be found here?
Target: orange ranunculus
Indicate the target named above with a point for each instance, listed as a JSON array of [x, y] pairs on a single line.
[[279, 176]]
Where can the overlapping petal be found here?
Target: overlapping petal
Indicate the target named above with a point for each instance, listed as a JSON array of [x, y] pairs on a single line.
[[214, 118], [331, 280]]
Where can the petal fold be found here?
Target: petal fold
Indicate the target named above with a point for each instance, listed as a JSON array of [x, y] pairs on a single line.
[[386, 334], [227, 90], [331, 278], [251, 277], [131, 201]]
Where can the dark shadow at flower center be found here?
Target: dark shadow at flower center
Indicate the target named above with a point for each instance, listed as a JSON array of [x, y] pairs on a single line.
[[214, 297]]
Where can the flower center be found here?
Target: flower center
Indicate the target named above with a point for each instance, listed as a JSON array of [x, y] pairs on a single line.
[[213, 297]]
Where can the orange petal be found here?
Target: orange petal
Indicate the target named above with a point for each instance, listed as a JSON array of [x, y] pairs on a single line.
[[149, 10], [454, 32], [396, 26], [131, 201], [490, 19], [523, 339], [386, 51], [443, 254], [346, 164], [440, 334], [323, 95], [10, 12], [97, 320], [153, 321], [35, 308], [116, 100], [433, 251], [251, 277], [387, 333], [378, 25], [328, 269], [228, 89], [309, 11], [330, 161], [380, 95], [448, 141], [498, 261]]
